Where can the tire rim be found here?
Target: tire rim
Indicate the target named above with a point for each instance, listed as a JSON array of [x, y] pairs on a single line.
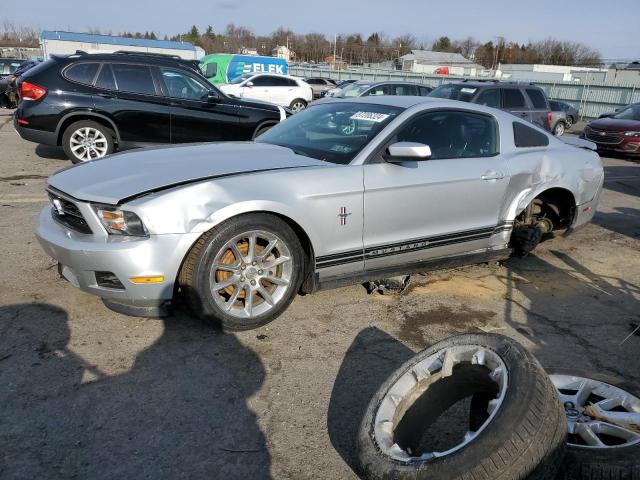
[[251, 274], [559, 130], [416, 381], [88, 143], [297, 106], [599, 415]]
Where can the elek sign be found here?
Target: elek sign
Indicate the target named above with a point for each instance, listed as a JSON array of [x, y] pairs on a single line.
[[263, 68]]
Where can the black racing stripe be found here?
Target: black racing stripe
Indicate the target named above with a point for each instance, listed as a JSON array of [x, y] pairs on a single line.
[[441, 243], [335, 263], [336, 256], [433, 239]]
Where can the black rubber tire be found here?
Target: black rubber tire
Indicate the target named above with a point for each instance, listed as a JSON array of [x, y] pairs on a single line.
[[194, 280], [262, 129], [622, 463], [564, 128], [66, 137], [296, 101], [525, 439]]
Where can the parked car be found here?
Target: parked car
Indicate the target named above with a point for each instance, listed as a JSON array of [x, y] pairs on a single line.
[[339, 86], [9, 97], [559, 122], [618, 132], [524, 100], [570, 110], [320, 85], [282, 90], [9, 65], [95, 104], [345, 191], [364, 88]]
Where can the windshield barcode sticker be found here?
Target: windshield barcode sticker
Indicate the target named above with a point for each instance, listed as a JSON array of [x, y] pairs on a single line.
[[370, 116]]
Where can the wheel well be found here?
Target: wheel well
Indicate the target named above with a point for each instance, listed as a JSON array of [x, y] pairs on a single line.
[[266, 123], [76, 118], [557, 204]]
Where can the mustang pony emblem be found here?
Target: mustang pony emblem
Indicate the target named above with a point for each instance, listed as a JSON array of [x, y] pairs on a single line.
[[343, 215]]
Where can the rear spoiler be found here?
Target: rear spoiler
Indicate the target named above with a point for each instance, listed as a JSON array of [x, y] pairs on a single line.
[[579, 142]]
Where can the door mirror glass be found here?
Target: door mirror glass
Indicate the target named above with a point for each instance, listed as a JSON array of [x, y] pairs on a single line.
[[405, 151]]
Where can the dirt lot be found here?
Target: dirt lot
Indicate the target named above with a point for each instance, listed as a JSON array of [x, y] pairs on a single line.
[[87, 393]]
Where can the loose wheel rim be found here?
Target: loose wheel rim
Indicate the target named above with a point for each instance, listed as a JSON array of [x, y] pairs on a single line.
[[251, 274], [296, 107], [414, 382], [599, 415], [88, 143]]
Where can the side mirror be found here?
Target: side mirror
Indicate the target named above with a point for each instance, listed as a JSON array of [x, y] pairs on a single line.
[[249, 84], [408, 151], [213, 97]]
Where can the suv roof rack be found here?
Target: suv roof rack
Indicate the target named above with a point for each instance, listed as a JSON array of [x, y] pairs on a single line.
[[481, 80], [148, 54]]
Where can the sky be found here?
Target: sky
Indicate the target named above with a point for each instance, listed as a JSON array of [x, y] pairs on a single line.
[[611, 28]]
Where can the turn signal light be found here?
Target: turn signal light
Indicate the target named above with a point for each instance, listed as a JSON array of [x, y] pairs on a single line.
[[154, 279], [30, 91]]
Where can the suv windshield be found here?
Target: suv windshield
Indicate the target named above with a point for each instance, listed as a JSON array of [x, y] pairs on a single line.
[[353, 90], [632, 112], [464, 93], [333, 132]]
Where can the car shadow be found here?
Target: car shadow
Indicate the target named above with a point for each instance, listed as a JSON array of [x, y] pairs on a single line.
[[623, 220], [49, 152], [179, 412], [370, 359]]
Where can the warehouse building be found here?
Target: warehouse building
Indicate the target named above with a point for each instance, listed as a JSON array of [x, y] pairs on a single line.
[[444, 63], [56, 42]]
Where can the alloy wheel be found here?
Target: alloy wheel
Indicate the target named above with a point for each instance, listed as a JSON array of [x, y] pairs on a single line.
[[88, 143], [298, 106]]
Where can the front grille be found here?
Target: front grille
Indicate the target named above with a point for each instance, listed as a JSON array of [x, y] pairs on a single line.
[[67, 213], [602, 136]]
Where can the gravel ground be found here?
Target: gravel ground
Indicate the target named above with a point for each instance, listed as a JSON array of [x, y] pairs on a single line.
[[88, 393]]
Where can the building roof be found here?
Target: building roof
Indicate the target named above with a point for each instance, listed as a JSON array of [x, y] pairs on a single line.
[[111, 40], [429, 57]]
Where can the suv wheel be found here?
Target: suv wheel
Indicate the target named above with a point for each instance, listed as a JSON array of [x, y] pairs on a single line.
[[297, 105], [559, 129], [87, 140]]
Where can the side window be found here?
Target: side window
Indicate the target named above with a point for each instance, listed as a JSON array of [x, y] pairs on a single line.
[[424, 91], [403, 90], [105, 78], [133, 78], [279, 82], [181, 85], [82, 72], [513, 99], [314, 81], [291, 82], [526, 136], [379, 90], [489, 97], [453, 134], [537, 98]]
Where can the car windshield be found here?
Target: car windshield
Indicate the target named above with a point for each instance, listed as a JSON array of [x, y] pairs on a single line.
[[632, 112], [452, 91], [353, 90], [333, 132], [240, 79]]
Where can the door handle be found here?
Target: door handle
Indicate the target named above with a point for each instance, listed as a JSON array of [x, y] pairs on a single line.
[[492, 175]]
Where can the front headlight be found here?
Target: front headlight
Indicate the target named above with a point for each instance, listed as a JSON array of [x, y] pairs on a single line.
[[120, 222], [632, 134]]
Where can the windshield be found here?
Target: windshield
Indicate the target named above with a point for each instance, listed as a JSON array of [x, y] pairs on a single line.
[[454, 92], [353, 90], [632, 112], [333, 132], [240, 79]]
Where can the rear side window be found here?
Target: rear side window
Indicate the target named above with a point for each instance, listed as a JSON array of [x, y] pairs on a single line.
[[537, 98], [489, 97], [105, 78], [513, 98], [404, 90], [424, 91], [133, 78], [525, 136], [82, 72]]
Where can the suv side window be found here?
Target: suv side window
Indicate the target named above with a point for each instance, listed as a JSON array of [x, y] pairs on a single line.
[[181, 85], [453, 134], [315, 81], [424, 91], [513, 99], [82, 72], [105, 78], [403, 90], [489, 97], [537, 98], [525, 136], [133, 78], [379, 90]]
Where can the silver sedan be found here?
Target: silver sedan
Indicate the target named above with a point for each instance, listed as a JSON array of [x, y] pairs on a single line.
[[345, 191]]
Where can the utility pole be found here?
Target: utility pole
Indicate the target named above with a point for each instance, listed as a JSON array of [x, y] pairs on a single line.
[[335, 48]]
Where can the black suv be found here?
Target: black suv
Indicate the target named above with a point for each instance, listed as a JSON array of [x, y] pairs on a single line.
[[524, 100], [94, 104]]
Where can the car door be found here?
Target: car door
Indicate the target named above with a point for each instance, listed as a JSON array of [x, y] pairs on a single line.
[[130, 94], [446, 205], [282, 90], [513, 101], [539, 108], [259, 87], [197, 115]]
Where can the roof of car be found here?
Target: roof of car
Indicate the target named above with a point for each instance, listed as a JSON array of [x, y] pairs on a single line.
[[112, 40], [388, 82], [491, 84], [128, 56]]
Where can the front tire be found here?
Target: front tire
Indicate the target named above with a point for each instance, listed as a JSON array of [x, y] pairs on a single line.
[[243, 273], [87, 140], [298, 105]]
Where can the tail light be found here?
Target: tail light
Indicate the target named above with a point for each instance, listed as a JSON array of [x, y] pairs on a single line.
[[30, 91], [549, 120]]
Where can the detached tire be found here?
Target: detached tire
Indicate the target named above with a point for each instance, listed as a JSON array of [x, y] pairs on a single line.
[[515, 428], [244, 272], [601, 463]]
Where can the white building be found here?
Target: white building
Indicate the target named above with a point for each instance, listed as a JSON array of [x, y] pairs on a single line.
[[283, 52], [55, 42], [559, 73], [429, 62]]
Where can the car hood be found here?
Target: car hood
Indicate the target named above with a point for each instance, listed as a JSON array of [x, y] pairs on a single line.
[[115, 179], [615, 125]]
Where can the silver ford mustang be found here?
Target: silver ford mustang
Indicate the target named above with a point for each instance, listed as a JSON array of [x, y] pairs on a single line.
[[345, 191]]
